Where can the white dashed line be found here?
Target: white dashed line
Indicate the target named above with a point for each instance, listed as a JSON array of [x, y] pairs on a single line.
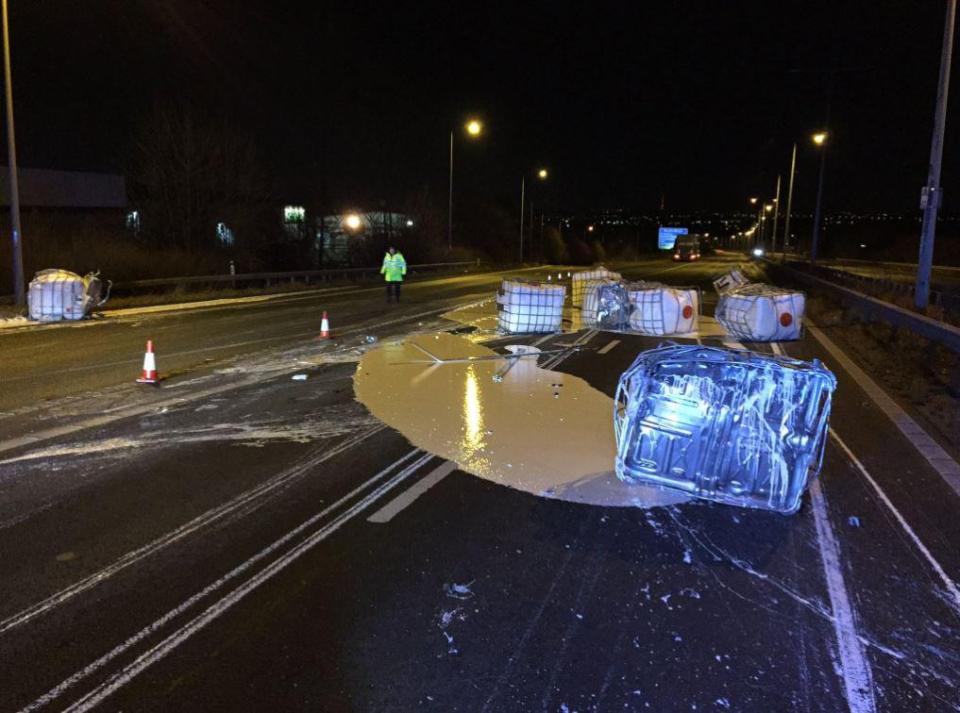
[[610, 346], [406, 498]]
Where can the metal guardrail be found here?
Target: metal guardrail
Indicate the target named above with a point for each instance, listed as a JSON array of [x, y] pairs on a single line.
[[269, 278], [935, 330], [947, 299]]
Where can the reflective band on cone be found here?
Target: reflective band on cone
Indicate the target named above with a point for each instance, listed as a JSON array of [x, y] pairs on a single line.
[[324, 327], [149, 374]]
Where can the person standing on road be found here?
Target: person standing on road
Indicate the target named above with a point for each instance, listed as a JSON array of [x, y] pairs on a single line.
[[393, 270]]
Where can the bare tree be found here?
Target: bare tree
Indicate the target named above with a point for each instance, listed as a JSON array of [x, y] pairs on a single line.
[[189, 172]]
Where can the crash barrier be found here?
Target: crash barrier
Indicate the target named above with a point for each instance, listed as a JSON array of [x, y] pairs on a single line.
[[266, 279], [872, 308], [878, 286], [579, 282], [530, 307], [723, 424], [659, 310], [55, 295], [758, 312]]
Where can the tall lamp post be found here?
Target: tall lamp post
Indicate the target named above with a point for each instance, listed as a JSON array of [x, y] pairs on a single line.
[[18, 281], [542, 174], [820, 140], [786, 222], [474, 128], [931, 191], [776, 216]]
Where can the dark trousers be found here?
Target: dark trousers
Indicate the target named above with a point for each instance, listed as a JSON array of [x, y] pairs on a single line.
[[393, 291]]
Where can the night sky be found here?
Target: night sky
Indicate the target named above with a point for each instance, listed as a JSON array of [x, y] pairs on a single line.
[[351, 103]]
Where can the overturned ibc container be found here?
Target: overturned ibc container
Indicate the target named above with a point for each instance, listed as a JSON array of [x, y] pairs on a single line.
[[580, 281], [761, 313], [659, 309], [526, 307], [606, 305], [722, 424], [56, 295], [729, 281]]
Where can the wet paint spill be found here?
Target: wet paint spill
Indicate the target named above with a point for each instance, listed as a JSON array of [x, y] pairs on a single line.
[[536, 430]]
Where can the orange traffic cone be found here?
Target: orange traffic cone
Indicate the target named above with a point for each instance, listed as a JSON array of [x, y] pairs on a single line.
[[149, 366], [324, 327]]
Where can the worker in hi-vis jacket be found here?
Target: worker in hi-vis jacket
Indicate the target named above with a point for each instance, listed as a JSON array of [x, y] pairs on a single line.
[[393, 270]]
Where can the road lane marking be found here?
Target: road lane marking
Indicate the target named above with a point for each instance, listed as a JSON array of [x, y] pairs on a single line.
[[223, 605], [95, 666], [951, 586], [243, 500], [610, 346], [407, 497], [857, 676], [941, 461]]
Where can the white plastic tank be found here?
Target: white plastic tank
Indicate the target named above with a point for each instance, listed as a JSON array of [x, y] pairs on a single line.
[[729, 281], [762, 313], [56, 295], [580, 281], [605, 305], [659, 310], [530, 307]]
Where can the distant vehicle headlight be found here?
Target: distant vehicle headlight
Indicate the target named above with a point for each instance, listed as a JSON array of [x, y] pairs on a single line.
[[758, 252]]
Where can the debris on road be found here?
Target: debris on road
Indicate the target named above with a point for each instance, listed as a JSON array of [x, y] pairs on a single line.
[[658, 310], [759, 312], [580, 281], [459, 591], [606, 305], [530, 307], [56, 295], [726, 425]]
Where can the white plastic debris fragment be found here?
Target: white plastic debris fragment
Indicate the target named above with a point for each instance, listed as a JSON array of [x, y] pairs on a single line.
[[299, 377], [530, 307], [761, 313], [659, 310], [722, 424], [729, 281], [459, 591], [580, 281]]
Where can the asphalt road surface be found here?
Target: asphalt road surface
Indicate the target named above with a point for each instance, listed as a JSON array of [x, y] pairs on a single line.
[[241, 540]]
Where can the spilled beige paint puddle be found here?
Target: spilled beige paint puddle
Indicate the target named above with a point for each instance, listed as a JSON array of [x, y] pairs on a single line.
[[536, 430]]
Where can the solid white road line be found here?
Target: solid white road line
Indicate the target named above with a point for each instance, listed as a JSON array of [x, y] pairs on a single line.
[[95, 666], [857, 676], [609, 346], [243, 500], [941, 461], [952, 589], [407, 497], [950, 585]]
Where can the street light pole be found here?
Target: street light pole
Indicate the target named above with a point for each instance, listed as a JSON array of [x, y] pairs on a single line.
[[776, 215], [786, 222], [449, 199], [523, 187], [18, 281], [931, 191], [817, 211]]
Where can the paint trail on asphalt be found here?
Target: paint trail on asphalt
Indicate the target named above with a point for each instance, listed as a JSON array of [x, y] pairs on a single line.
[[857, 675]]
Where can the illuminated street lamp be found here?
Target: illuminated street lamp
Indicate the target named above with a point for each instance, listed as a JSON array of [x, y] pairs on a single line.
[[19, 291], [820, 141], [352, 221], [542, 175], [753, 200], [768, 207], [473, 128]]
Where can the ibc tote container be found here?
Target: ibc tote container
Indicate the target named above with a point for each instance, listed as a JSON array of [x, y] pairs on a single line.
[[761, 313], [530, 307], [659, 310], [579, 282], [722, 424]]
